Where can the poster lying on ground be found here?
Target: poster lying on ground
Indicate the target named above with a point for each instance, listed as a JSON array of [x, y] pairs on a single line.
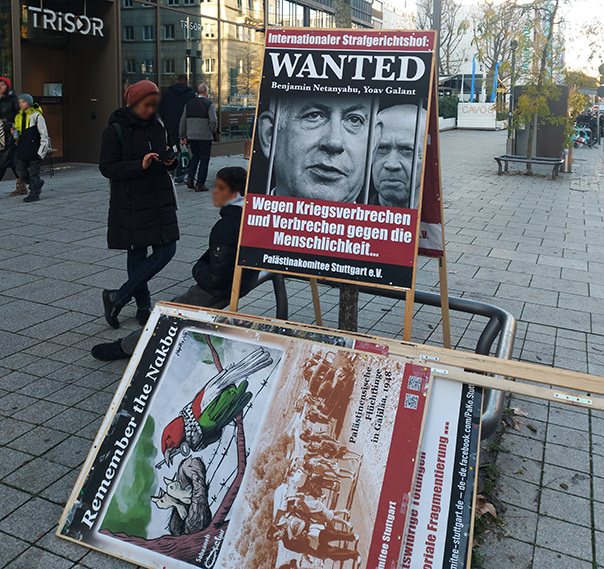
[[439, 530], [335, 179], [229, 447]]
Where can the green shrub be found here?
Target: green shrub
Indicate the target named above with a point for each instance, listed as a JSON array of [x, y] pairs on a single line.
[[447, 107]]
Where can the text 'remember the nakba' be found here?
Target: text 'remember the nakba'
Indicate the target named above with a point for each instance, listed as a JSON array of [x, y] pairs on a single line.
[[393, 156], [321, 146]]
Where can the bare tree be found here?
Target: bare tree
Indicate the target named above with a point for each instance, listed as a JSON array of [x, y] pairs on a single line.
[[452, 31], [540, 86], [496, 26]]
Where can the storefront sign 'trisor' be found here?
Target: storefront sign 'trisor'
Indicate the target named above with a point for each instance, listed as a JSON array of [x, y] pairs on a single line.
[[65, 22]]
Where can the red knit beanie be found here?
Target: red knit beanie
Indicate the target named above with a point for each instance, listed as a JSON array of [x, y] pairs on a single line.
[[7, 81], [137, 92]]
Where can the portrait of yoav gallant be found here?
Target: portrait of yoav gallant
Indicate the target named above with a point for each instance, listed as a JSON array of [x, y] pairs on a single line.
[[315, 146], [397, 156]]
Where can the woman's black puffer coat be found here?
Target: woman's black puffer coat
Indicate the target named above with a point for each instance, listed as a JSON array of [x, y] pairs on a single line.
[[9, 107], [142, 207]]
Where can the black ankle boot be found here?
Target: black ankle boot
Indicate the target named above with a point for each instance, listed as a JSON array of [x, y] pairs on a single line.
[[113, 305], [142, 315], [109, 352]]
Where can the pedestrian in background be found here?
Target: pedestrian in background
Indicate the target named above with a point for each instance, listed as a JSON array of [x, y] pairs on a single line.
[[136, 155], [32, 144], [198, 125], [9, 107], [172, 105]]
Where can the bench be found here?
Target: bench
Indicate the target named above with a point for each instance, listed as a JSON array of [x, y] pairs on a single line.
[[507, 158]]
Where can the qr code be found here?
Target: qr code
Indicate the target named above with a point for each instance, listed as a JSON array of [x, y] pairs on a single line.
[[411, 401], [415, 383]]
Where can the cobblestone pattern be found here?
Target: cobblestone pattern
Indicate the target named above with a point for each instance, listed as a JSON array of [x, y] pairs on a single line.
[[529, 245]]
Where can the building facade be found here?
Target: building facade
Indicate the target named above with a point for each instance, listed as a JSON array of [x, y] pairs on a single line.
[[389, 16], [76, 57]]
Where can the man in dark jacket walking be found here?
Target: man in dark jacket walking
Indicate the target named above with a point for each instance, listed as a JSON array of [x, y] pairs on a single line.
[[213, 272], [198, 124], [173, 103], [171, 106]]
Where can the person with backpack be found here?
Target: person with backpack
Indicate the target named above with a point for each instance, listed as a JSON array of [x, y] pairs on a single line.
[[198, 127], [32, 145], [136, 155], [9, 107]]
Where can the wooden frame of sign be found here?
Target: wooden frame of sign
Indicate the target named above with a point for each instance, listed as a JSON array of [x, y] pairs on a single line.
[[531, 380], [286, 224]]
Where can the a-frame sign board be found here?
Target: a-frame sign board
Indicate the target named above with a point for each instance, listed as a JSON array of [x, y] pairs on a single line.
[[338, 162], [432, 226]]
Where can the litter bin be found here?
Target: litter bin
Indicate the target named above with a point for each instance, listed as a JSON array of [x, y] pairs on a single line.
[[567, 166]]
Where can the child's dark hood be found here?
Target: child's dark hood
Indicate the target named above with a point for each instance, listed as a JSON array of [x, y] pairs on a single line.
[[234, 208], [231, 211]]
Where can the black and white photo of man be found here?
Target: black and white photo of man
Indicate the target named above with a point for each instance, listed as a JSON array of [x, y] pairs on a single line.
[[397, 156], [317, 145]]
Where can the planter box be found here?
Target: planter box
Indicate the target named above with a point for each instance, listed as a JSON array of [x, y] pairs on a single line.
[[478, 116], [446, 124]]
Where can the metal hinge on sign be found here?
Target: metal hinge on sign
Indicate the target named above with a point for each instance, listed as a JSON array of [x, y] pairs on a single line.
[[573, 399], [441, 371], [423, 358]]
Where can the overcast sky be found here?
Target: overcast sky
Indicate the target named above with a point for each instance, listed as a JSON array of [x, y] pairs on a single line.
[[576, 13]]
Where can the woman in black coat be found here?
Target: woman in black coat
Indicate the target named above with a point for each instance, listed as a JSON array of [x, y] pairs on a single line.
[[9, 107], [135, 156]]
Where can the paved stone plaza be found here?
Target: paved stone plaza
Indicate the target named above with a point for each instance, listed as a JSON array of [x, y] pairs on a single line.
[[529, 245]]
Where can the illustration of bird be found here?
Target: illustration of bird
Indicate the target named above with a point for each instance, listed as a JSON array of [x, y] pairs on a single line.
[[201, 422]]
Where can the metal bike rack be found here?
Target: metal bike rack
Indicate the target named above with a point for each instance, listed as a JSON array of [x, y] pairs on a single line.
[[501, 323]]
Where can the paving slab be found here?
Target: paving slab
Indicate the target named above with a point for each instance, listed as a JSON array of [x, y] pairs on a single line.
[[524, 244]]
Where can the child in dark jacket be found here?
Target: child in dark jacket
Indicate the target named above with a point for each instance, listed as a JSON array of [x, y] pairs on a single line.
[[213, 272], [32, 145]]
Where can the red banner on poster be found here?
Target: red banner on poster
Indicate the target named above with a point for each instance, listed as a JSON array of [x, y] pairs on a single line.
[[383, 40], [373, 243], [391, 516], [431, 230]]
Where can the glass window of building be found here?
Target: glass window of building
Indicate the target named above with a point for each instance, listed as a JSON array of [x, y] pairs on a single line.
[[210, 30], [127, 4], [138, 54], [190, 50], [169, 31], [168, 66], [240, 72], [147, 33], [188, 2], [129, 33], [6, 53], [209, 65], [172, 2]]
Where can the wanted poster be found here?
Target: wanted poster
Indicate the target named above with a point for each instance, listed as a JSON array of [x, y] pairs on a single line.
[[335, 178]]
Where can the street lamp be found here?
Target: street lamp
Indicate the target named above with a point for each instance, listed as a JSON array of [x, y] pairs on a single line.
[[511, 131]]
